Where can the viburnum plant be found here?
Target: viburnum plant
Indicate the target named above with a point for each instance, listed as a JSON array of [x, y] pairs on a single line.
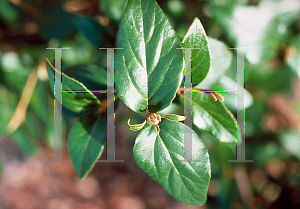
[[149, 75]]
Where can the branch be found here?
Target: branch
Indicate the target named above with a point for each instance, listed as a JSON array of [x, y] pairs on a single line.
[[213, 94], [105, 103]]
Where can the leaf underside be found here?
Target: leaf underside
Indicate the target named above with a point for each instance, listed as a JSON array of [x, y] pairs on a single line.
[[77, 102], [86, 143]]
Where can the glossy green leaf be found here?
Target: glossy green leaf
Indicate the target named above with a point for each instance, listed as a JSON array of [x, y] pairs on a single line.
[[213, 118], [86, 143], [161, 156], [196, 38], [77, 102], [149, 67]]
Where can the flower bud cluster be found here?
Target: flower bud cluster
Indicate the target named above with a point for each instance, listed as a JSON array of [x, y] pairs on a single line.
[[153, 119]]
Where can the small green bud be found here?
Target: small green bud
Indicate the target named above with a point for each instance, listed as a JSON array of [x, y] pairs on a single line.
[[136, 127], [174, 117]]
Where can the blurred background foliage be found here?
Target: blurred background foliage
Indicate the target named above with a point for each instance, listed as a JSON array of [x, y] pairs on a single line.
[[272, 99]]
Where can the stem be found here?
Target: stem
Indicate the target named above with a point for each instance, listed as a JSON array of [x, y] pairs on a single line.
[[147, 112], [105, 103], [214, 95], [20, 113]]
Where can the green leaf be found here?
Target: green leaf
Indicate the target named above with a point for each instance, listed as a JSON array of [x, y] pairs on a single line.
[[149, 67], [77, 102], [161, 156], [196, 38], [8, 103], [175, 117], [264, 32], [290, 140], [226, 83], [90, 28], [81, 51], [221, 58], [9, 12], [11, 65], [294, 57], [86, 143], [53, 21], [25, 141], [50, 133], [113, 8], [253, 118], [39, 101], [176, 8], [34, 125], [213, 118], [262, 152], [92, 76], [269, 80], [174, 107]]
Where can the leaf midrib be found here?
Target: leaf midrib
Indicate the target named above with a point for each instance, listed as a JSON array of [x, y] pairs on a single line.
[[188, 189], [79, 83], [211, 116], [145, 48], [178, 153], [88, 140]]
